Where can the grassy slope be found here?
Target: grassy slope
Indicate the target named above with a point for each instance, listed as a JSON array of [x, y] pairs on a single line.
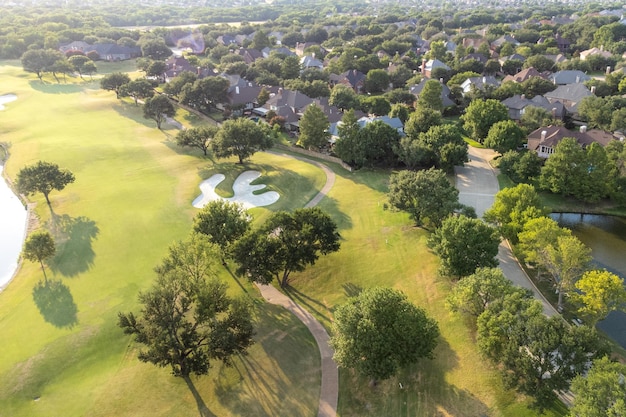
[[135, 188], [130, 200]]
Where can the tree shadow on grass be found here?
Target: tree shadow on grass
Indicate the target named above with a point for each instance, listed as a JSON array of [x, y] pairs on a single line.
[[352, 290], [54, 88], [55, 303], [311, 304], [280, 376], [202, 407], [73, 237]]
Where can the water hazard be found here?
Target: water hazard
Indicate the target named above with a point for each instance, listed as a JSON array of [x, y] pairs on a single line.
[[606, 236], [12, 231]]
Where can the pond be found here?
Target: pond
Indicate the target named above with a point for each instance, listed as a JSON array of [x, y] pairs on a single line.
[[606, 236], [12, 231]]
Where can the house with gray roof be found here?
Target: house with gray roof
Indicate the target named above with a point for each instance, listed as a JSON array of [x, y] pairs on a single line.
[[105, 51], [352, 78], [569, 77], [311, 62], [393, 122], [505, 39], [430, 65], [416, 90], [480, 83], [517, 105], [570, 95], [267, 51]]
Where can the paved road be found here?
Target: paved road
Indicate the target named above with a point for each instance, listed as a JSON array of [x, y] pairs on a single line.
[[329, 392], [477, 185]]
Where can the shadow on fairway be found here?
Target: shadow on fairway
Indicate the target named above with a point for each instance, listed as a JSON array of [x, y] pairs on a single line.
[[352, 290], [202, 407], [284, 380], [310, 303], [55, 303], [54, 88], [73, 237]]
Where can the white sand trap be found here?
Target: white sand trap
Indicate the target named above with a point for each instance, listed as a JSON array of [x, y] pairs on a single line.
[[242, 189], [7, 98]]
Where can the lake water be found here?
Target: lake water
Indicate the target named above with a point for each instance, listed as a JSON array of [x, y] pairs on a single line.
[[12, 231], [606, 236]]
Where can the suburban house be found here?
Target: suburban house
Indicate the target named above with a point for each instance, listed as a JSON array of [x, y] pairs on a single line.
[[106, 51], [249, 55], [517, 104], [394, 122], [504, 39], [569, 77], [445, 92], [352, 78], [177, 64], [430, 65], [570, 95], [476, 56], [242, 96], [594, 51], [479, 83], [311, 62], [227, 40], [514, 57], [524, 75], [267, 51], [301, 46], [288, 104], [544, 140], [557, 59]]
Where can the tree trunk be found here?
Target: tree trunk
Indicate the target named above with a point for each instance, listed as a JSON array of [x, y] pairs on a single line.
[[559, 306], [47, 199], [43, 269]]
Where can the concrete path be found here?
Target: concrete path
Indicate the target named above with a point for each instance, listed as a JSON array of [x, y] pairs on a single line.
[[330, 374], [477, 184]]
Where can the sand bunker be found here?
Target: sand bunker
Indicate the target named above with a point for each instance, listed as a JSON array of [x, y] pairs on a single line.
[[242, 189], [7, 98]]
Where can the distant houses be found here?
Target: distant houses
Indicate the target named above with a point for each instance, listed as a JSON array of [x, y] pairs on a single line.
[[105, 51]]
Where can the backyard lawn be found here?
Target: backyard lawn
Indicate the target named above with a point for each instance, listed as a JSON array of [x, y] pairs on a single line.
[[63, 353]]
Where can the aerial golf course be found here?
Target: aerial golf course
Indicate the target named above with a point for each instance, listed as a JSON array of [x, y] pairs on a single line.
[[62, 351]]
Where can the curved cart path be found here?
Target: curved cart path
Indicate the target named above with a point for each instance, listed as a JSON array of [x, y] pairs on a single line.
[[330, 375], [477, 184]]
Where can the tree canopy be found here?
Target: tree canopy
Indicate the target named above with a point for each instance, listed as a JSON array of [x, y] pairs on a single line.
[[599, 292], [427, 195], [38, 247], [241, 138], [197, 137], [480, 115], [285, 243], [464, 245], [187, 319], [43, 177], [379, 332], [158, 108], [313, 128], [602, 392], [114, 82]]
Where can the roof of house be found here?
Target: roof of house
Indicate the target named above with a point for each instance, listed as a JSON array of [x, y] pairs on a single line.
[[267, 51], [556, 58], [524, 75], [594, 51], [519, 102], [394, 122], [570, 94], [569, 77], [311, 62], [478, 57], [516, 57], [504, 39], [353, 77], [289, 98], [480, 82], [434, 63], [551, 135], [445, 92], [243, 92]]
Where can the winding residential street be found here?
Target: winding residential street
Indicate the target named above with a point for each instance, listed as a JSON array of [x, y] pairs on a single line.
[[477, 184]]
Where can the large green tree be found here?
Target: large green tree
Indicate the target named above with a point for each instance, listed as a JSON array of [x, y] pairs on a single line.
[[430, 96], [347, 146], [43, 177], [513, 207], [114, 82], [504, 136], [343, 97], [138, 89], [223, 223], [602, 392], [40, 61], [421, 120], [427, 195], [474, 293], [599, 292], [187, 319], [313, 128], [376, 81], [38, 247], [380, 331], [158, 108], [155, 49], [205, 94], [241, 138], [464, 245], [285, 243], [197, 137], [480, 115]]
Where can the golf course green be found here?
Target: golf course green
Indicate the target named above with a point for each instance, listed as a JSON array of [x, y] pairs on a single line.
[[62, 352]]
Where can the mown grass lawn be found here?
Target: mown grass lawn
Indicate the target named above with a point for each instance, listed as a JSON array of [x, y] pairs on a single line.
[[62, 351]]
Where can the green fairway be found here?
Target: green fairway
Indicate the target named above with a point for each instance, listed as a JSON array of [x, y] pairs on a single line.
[[63, 353]]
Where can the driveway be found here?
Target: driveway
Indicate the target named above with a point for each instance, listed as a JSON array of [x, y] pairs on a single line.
[[477, 184]]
